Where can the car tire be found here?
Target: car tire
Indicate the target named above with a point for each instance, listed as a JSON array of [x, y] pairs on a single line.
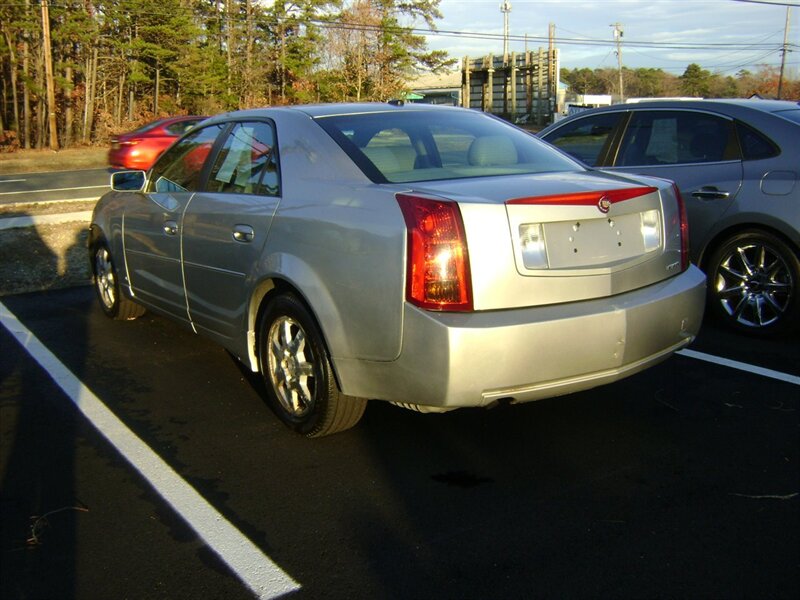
[[301, 386], [753, 284], [106, 284]]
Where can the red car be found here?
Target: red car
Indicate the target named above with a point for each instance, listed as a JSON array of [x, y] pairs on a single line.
[[140, 148]]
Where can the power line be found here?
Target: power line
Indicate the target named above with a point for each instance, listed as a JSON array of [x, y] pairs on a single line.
[[472, 35]]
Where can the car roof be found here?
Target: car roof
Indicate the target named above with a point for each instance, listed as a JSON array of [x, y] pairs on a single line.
[[327, 110], [762, 105], [728, 106], [334, 109]]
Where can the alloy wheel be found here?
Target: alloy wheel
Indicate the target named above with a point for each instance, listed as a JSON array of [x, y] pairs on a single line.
[[104, 278], [291, 367], [754, 284]]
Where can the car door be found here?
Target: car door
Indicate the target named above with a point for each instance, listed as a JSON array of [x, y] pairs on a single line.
[[699, 151], [153, 219], [226, 225]]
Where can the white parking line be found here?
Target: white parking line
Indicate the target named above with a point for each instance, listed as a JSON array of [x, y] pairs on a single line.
[[244, 558], [734, 364]]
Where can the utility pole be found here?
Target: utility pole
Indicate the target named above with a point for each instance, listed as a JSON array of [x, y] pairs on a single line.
[[505, 8], [48, 73], [618, 39], [785, 49]]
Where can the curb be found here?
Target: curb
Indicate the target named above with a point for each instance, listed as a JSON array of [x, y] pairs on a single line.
[[38, 213], [14, 222]]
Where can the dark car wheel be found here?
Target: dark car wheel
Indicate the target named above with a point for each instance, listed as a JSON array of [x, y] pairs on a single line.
[[300, 383], [752, 283], [112, 301]]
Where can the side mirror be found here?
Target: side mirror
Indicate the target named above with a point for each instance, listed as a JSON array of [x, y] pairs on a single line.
[[128, 181]]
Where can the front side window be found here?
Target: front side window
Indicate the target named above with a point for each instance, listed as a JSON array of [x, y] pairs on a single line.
[[428, 145], [586, 138], [179, 168], [676, 137]]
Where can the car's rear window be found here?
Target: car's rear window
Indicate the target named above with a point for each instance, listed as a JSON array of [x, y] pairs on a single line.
[[181, 127], [792, 114], [148, 126], [412, 146]]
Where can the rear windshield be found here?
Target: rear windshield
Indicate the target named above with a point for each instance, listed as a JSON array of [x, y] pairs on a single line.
[[148, 126], [400, 147], [792, 114]]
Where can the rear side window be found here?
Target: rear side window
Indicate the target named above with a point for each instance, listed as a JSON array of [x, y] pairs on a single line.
[[421, 145], [676, 137], [585, 138], [754, 145], [246, 163]]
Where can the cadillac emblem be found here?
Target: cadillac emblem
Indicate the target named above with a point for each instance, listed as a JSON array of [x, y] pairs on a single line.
[[604, 205]]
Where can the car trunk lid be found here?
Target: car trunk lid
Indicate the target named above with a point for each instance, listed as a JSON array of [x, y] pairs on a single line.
[[561, 237]]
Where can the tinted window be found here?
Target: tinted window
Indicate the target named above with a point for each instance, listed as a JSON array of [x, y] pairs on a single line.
[[181, 127], [676, 137], [585, 138], [148, 126], [429, 145], [246, 163], [754, 145], [180, 167], [792, 114]]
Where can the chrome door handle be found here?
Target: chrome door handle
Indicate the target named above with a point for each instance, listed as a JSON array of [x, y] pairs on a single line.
[[243, 233], [710, 193], [170, 228]]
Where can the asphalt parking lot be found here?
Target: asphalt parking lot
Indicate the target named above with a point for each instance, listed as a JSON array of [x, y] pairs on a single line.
[[681, 481]]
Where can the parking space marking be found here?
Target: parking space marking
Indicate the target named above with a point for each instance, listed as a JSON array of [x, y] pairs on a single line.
[[245, 559], [735, 364]]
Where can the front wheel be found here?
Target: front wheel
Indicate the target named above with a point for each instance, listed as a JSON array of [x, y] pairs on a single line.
[[300, 383], [106, 284], [752, 284]]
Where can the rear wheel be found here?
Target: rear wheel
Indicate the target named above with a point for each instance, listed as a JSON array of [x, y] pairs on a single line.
[[106, 284], [300, 383], [753, 283]]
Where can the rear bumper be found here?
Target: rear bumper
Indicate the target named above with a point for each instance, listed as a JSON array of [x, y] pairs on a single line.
[[453, 360]]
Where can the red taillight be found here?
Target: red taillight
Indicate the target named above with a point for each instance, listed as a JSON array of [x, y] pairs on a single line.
[[438, 275], [684, 225]]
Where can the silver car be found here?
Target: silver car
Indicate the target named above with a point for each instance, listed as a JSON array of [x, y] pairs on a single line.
[[431, 257], [737, 165]]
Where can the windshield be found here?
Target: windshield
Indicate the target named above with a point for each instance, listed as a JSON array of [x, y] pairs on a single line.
[[413, 146]]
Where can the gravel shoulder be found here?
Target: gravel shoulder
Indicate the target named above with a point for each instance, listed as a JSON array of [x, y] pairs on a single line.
[[47, 256]]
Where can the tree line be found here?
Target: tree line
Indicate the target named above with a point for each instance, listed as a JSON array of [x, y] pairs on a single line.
[[76, 71], [694, 82]]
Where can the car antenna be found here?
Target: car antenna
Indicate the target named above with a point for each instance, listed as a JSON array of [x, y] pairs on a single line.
[[397, 102]]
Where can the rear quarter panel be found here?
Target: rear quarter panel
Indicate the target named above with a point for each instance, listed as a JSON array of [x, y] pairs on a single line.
[[340, 240]]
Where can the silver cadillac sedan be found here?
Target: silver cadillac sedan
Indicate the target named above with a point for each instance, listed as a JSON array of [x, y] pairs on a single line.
[[430, 257]]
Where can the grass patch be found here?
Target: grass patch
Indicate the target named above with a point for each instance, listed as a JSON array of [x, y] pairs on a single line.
[[69, 159]]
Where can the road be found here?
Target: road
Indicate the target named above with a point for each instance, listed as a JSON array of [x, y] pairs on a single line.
[[62, 185], [681, 481]]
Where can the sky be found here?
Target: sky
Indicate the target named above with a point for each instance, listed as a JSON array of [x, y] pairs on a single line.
[[732, 35]]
